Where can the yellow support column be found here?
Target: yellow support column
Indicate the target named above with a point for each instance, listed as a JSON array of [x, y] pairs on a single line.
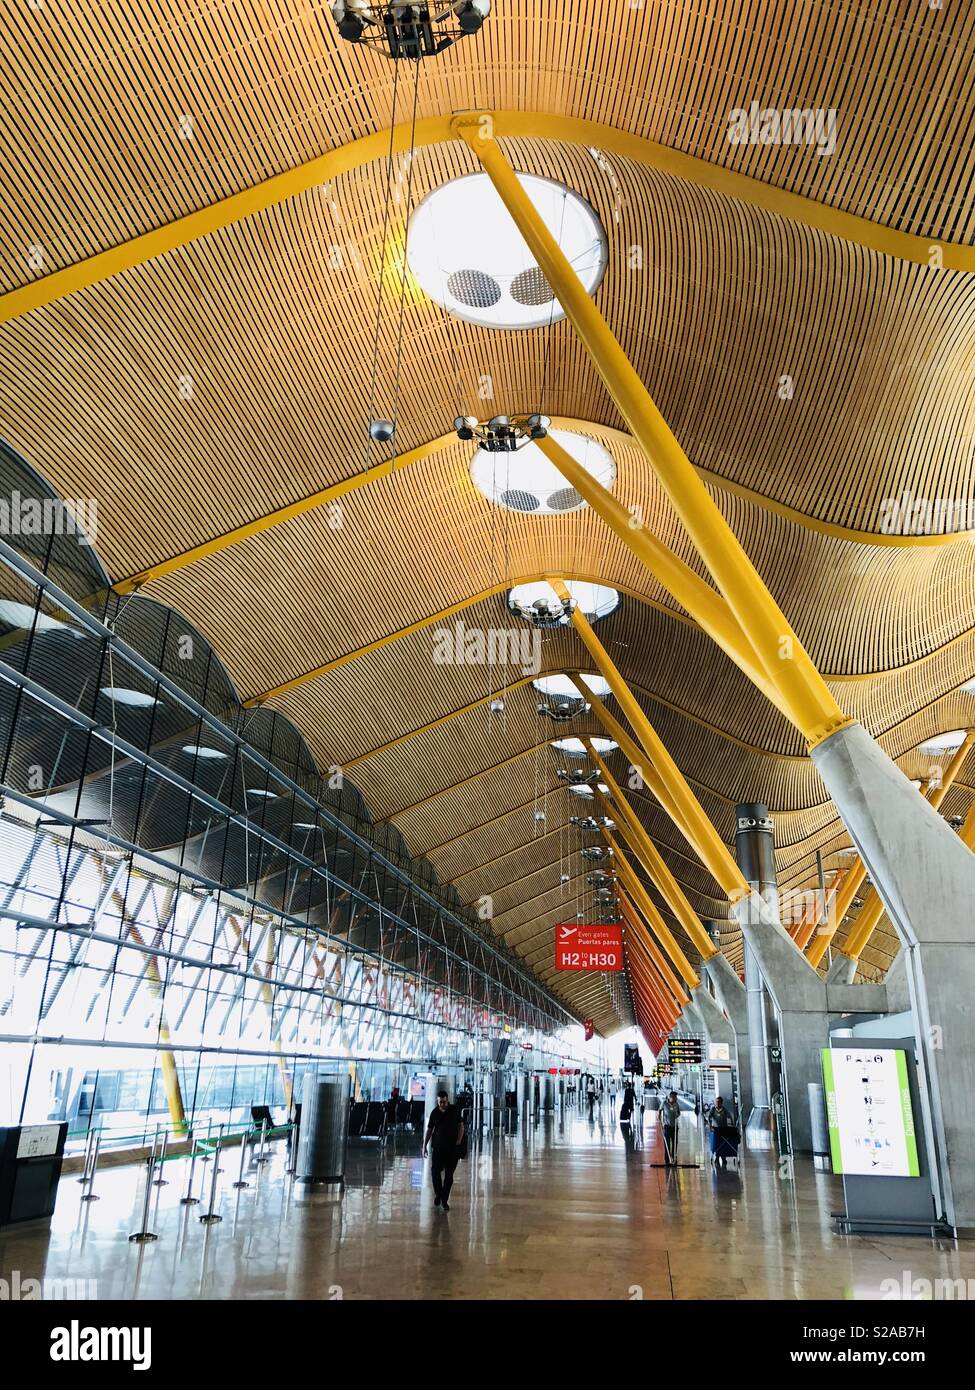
[[700, 833], [652, 860], [651, 915], [804, 694], [645, 936]]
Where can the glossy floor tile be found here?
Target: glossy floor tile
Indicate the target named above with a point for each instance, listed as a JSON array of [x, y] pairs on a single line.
[[564, 1210]]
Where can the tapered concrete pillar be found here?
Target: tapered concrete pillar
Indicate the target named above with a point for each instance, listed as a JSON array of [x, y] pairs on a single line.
[[925, 876], [805, 1004], [730, 994]]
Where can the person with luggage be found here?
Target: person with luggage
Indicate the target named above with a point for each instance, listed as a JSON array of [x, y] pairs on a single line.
[[670, 1119], [724, 1134], [445, 1139]]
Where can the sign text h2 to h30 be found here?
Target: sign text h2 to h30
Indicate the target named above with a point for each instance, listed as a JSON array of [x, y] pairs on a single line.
[[588, 946]]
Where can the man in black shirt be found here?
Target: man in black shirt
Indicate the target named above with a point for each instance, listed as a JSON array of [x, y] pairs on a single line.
[[445, 1135]]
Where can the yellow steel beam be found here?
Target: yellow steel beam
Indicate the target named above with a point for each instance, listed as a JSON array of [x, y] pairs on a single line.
[[243, 533], [652, 860], [873, 909], [651, 913], [690, 818], [645, 937], [522, 125], [803, 694], [704, 604]]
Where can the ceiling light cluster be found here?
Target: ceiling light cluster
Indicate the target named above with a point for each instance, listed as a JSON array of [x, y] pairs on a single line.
[[409, 31], [510, 470], [467, 254]]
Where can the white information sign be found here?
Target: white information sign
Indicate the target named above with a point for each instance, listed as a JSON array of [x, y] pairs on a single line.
[[38, 1141], [868, 1109]]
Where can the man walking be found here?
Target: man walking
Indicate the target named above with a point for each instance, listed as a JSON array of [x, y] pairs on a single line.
[[444, 1137]]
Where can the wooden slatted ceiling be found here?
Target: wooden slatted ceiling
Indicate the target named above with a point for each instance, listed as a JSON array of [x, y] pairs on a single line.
[[276, 338], [280, 360], [95, 100]]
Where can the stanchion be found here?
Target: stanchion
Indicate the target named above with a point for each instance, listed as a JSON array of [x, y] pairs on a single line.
[[262, 1157], [188, 1200], [206, 1143], [161, 1181], [210, 1217], [293, 1164], [86, 1164], [90, 1196], [243, 1159], [144, 1234]]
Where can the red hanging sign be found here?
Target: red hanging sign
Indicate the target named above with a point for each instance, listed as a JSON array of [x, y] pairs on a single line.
[[588, 946]]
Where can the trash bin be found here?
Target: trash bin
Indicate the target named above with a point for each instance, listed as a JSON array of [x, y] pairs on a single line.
[[324, 1129]]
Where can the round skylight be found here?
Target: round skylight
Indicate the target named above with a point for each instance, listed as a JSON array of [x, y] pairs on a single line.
[[525, 481], [564, 685], [583, 790], [943, 743], [467, 254], [200, 750], [24, 616], [576, 745], [594, 600]]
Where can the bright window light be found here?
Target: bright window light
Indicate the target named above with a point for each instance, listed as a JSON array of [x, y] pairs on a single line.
[[576, 745], [525, 481], [564, 685], [467, 254], [21, 615], [969, 686], [262, 792], [943, 743], [198, 750], [595, 600], [119, 695]]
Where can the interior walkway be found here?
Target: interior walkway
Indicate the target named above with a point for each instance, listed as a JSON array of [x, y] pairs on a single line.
[[564, 1211]]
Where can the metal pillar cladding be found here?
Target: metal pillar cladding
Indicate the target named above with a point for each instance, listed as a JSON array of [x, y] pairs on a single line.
[[755, 852], [324, 1128], [925, 876]]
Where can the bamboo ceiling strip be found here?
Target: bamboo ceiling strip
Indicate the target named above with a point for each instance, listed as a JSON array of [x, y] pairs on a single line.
[[267, 88]]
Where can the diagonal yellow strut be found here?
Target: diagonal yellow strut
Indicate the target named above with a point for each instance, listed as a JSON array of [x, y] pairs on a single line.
[[803, 694]]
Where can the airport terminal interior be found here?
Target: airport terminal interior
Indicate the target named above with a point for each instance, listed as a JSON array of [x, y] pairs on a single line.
[[487, 650]]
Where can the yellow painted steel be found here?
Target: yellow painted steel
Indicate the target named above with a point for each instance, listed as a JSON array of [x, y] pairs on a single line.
[[651, 914], [243, 533], [525, 125], [643, 934], [651, 859], [952, 772], [690, 818], [803, 694], [852, 882], [704, 604], [872, 912]]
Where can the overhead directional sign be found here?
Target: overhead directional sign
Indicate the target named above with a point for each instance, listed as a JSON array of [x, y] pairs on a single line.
[[588, 946], [686, 1050]]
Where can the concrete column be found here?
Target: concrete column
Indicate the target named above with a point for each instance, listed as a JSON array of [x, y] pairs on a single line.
[[805, 1003], [755, 852], [730, 994], [925, 876]]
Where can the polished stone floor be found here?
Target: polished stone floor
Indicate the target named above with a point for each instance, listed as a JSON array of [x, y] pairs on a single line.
[[566, 1210]]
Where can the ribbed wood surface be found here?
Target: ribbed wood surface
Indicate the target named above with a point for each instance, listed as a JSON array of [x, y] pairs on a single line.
[[271, 323]]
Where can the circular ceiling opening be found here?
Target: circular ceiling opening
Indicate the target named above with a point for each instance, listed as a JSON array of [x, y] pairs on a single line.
[[525, 481], [594, 600], [564, 685], [467, 254]]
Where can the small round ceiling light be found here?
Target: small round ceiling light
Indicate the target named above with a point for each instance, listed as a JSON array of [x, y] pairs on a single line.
[[467, 254], [593, 600], [564, 685], [525, 481]]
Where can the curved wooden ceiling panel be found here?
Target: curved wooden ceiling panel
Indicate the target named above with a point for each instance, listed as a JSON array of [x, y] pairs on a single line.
[[223, 380]]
